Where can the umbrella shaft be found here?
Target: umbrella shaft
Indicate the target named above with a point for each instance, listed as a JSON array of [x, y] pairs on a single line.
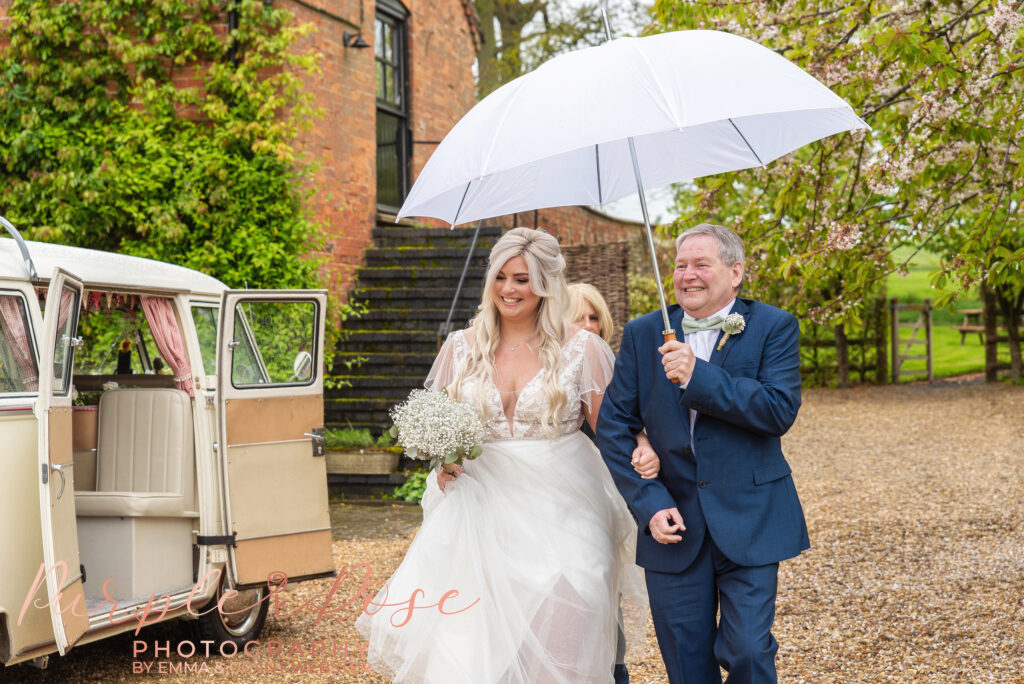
[[650, 236]]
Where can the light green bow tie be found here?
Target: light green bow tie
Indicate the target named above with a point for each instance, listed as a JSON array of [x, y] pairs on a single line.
[[691, 326]]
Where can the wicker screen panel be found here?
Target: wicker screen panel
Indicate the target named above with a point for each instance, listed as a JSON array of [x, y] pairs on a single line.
[[605, 266]]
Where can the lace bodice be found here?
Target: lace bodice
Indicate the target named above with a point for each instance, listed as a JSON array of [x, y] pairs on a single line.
[[587, 364]]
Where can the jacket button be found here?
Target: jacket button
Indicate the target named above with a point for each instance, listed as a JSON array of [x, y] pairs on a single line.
[[702, 484]]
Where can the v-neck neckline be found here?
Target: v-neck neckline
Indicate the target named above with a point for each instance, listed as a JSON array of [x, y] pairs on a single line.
[[515, 404]]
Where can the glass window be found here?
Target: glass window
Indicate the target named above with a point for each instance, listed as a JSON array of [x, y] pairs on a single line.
[[116, 340], [393, 139], [205, 319], [18, 369], [275, 343], [64, 345]]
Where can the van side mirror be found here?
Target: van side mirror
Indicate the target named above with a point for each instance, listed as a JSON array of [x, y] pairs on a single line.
[[302, 366]]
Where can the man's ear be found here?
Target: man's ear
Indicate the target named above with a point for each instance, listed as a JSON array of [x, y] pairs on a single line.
[[737, 275]]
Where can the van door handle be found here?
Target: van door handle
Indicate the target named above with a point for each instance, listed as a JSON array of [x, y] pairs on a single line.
[[58, 468], [319, 441]]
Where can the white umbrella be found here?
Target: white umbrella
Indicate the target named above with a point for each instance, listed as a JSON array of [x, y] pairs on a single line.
[[598, 124]]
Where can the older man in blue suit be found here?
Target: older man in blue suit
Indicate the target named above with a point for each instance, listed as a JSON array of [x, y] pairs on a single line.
[[723, 511]]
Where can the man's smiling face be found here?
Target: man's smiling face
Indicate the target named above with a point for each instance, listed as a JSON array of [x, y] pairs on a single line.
[[703, 284]]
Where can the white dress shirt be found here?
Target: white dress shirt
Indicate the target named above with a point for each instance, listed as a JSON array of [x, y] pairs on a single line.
[[703, 343]]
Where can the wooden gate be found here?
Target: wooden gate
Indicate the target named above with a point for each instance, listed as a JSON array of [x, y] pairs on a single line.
[[899, 356]]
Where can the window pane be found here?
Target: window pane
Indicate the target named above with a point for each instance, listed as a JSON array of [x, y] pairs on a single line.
[[277, 342], [205, 318], [18, 370], [388, 162], [63, 350], [380, 81], [378, 43], [389, 32], [114, 341]]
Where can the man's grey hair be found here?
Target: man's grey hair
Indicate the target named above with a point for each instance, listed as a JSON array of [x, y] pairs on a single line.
[[730, 247]]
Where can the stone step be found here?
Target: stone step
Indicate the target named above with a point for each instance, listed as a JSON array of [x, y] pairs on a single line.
[[393, 392], [426, 320], [398, 363], [417, 297], [390, 341], [369, 381], [434, 237], [429, 257], [366, 412]]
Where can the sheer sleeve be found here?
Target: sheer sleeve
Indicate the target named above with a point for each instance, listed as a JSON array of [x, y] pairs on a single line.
[[442, 373], [598, 364]]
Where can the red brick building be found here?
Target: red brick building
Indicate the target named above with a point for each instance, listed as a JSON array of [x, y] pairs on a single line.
[[396, 76]]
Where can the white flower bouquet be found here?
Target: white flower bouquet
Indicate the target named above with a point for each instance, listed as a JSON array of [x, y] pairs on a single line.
[[432, 426]]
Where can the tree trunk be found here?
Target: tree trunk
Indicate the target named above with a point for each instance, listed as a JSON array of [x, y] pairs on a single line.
[[1011, 320], [487, 58], [842, 357], [881, 339], [991, 315]]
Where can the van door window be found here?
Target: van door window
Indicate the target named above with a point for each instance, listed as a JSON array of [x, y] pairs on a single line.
[[205, 319], [276, 343], [18, 369], [63, 349]]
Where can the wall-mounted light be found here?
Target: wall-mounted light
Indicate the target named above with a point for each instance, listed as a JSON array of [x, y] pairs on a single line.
[[353, 40]]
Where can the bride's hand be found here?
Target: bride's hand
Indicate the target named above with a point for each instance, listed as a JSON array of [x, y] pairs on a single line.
[[443, 478], [645, 461]]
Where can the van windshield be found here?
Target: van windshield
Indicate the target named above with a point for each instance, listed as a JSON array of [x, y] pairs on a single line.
[[18, 370]]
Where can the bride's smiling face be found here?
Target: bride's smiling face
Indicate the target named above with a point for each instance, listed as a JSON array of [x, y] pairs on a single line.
[[511, 291]]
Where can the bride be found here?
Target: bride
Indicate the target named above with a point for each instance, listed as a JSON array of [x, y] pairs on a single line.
[[532, 534]]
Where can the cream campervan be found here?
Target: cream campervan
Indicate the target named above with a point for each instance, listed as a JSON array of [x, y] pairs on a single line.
[[160, 434]]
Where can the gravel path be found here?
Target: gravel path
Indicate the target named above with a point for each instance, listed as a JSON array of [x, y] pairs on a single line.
[[915, 501]]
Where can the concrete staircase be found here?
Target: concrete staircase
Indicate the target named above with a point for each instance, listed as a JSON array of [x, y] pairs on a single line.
[[408, 282]]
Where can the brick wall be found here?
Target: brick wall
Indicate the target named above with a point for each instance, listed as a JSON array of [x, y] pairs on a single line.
[[343, 141]]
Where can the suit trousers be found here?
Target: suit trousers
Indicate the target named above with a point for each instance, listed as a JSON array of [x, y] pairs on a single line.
[[693, 641]]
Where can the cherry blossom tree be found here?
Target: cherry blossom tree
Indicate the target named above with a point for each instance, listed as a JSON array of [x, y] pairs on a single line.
[[940, 83]]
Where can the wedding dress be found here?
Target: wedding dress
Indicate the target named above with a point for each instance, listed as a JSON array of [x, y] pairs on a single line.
[[533, 536]]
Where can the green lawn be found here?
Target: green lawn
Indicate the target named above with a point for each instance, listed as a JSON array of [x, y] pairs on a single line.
[[949, 356]]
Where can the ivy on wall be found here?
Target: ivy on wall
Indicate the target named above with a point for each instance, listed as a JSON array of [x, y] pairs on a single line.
[[150, 128]]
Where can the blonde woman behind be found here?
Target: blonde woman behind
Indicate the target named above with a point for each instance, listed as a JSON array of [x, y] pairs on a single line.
[[588, 309], [519, 563]]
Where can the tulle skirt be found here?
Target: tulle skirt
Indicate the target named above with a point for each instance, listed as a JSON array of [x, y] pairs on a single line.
[[540, 547]]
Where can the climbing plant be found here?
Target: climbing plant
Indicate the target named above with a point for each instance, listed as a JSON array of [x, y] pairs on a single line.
[[160, 129]]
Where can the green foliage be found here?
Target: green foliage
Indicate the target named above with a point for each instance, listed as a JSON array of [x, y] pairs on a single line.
[[146, 128], [413, 488], [349, 438], [643, 295]]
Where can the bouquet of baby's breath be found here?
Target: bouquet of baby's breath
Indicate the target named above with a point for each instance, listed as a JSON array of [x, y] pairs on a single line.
[[432, 426]]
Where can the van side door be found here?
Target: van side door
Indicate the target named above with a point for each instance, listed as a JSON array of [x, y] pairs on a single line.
[[57, 483], [270, 351]]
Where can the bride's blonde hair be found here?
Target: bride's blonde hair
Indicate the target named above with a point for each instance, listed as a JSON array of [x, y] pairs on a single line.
[[546, 266]]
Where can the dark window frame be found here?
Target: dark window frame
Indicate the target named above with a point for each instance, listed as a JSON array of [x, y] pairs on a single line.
[[394, 15]]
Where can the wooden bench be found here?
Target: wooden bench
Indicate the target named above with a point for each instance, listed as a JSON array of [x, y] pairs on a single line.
[[972, 324]]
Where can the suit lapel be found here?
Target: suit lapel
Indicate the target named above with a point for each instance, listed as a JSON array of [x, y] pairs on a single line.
[[718, 356]]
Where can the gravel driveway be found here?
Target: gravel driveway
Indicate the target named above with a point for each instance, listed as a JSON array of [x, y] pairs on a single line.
[[915, 502]]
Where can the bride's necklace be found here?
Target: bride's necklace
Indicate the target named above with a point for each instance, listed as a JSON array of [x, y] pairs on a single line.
[[513, 347]]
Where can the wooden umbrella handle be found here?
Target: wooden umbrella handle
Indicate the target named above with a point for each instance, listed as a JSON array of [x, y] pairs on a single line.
[[670, 336]]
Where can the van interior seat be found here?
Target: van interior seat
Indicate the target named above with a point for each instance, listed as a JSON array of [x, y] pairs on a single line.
[[145, 456]]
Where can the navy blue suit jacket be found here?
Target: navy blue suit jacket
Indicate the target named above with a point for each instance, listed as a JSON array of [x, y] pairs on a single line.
[[737, 486]]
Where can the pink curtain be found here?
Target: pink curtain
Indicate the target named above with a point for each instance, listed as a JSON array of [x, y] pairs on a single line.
[[16, 335], [164, 327]]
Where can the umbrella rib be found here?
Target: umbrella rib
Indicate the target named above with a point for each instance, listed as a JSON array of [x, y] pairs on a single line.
[[746, 142], [597, 158], [461, 201]]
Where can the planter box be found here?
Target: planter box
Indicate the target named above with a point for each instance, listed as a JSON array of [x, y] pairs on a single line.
[[361, 461]]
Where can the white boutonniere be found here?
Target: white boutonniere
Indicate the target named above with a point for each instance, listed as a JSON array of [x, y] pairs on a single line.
[[733, 325]]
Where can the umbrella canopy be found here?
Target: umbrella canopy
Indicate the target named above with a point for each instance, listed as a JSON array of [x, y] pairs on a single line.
[[694, 103]]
